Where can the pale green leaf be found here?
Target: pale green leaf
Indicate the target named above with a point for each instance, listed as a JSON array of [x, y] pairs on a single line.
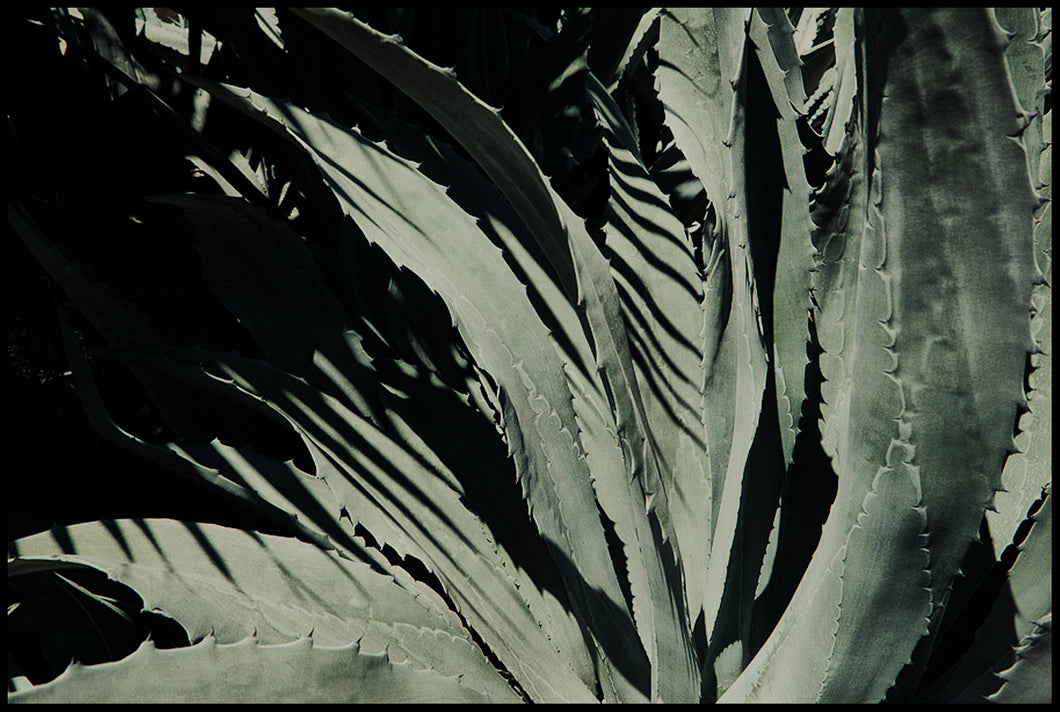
[[402, 494], [1025, 598], [474, 124], [942, 330], [594, 286], [1030, 679], [661, 295], [555, 226], [230, 583], [300, 671], [771, 34], [703, 85]]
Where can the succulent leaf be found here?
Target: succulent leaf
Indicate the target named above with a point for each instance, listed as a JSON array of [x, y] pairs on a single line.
[[211, 672], [530, 355], [914, 370]]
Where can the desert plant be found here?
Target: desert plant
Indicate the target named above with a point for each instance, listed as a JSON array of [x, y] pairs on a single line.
[[580, 355]]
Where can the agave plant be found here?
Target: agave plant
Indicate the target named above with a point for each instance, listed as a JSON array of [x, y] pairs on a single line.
[[668, 355]]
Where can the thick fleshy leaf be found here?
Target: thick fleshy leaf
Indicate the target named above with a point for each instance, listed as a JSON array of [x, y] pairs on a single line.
[[394, 487], [1026, 599], [937, 336], [529, 379], [411, 504], [786, 326], [1025, 56], [554, 225], [1030, 469], [621, 504], [272, 501], [1030, 679], [600, 304], [613, 53], [703, 84], [661, 296], [229, 583], [1030, 577], [475, 125], [700, 53], [300, 671]]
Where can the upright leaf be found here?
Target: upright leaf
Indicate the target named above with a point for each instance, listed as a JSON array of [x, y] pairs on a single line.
[[703, 86], [1030, 678], [560, 233], [653, 267], [1030, 469], [771, 33], [421, 229], [942, 330]]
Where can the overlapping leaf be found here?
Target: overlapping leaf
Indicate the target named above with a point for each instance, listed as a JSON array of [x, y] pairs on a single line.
[[703, 84], [927, 351], [536, 457], [227, 584]]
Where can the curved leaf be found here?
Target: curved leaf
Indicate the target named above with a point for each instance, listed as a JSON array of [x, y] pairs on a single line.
[[703, 84], [788, 314], [397, 490], [1030, 679], [560, 232], [661, 296], [474, 124], [942, 331], [228, 583], [300, 672], [1030, 469]]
